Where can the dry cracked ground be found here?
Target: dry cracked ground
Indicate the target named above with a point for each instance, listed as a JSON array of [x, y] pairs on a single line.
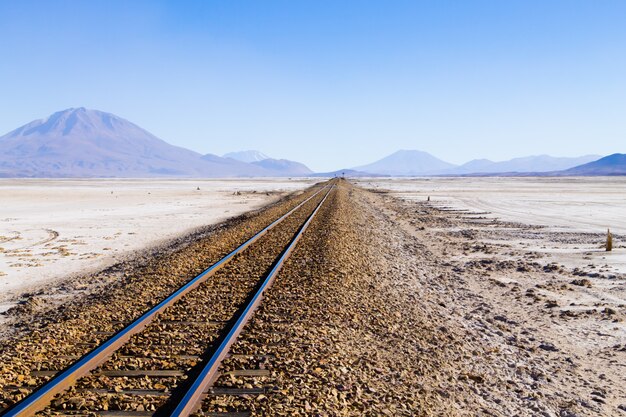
[[398, 308]]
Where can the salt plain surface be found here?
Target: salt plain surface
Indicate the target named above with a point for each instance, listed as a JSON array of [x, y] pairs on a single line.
[[585, 204], [55, 228], [565, 205]]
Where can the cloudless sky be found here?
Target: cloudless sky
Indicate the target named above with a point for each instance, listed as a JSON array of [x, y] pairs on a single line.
[[332, 84]]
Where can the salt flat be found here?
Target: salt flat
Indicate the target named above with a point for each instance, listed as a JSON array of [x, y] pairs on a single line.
[[55, 228], [588, 205], [585, 204]]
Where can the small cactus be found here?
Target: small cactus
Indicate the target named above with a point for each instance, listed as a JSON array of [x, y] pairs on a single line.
[[609, 241]]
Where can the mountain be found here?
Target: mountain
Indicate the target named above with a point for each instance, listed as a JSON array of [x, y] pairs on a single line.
[[79, 142], [535, 163], [609, 165], [475, 165], [279, 167], [347, 173], [284, 167], [246, 156], [406, 162]]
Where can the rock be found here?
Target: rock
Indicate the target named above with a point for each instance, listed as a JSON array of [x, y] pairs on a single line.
[[548, 347]]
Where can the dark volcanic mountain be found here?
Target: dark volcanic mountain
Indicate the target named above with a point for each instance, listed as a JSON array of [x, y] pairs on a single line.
[[609, 165], [90, 143]]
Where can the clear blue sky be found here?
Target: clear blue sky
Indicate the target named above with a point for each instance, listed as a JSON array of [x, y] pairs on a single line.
[[330, 83]]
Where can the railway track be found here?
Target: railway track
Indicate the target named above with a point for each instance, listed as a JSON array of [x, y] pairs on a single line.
[[166, 361]]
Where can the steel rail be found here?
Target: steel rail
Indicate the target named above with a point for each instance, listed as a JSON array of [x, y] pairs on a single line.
[[193, 396], [40, 398]]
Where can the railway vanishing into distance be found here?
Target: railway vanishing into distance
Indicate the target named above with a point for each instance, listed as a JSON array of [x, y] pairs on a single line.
[[166, 360]]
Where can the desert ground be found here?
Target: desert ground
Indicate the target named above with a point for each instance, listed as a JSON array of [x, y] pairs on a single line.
[[529, 276], [493, 297], [50, 229], [586, 205]]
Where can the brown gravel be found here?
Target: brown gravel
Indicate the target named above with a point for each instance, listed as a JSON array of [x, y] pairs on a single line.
[[55, 339], [343, 329]]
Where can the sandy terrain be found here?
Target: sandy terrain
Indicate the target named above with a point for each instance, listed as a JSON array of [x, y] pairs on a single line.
[[55, 228]]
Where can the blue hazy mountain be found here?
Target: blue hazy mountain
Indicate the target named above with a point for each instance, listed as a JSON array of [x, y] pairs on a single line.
[[79, 142], [410, 163], [281, 167], [614, 164], [284, 167], [347, 173], [406, 162], [535, 163], [247, 156]]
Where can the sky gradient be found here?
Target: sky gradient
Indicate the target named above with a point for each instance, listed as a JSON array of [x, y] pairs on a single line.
[[332, 84]]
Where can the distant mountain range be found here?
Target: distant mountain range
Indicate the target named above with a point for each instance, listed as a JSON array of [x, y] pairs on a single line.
[[347, 173], [538, 163], [79, 142], [247, 156], [416, 163], [283, 166]]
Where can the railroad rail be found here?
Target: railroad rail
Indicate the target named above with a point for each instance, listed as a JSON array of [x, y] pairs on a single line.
[[186, 396]]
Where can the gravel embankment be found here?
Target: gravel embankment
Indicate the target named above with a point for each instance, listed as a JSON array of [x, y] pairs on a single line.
[[179, 336], [344, 331]]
